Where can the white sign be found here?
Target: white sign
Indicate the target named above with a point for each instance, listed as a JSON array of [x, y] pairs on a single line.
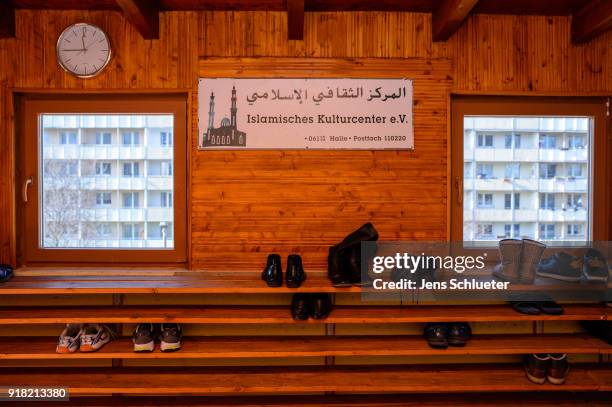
[[371, 114]]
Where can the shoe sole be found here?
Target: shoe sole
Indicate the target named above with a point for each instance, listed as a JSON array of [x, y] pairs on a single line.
[[558, 277], [342, 285], [596, 279], [65, 351], [98, 346], [457, 343], [144, 347], [554, 380], [169, 347], [536, 380]]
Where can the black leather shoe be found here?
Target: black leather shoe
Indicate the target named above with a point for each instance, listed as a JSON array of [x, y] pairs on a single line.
[[6, 272], [436, 335], [321, 306], [459, 333], [337, 269], [273, 273], [341, 268], [300, 307], [294, 275]]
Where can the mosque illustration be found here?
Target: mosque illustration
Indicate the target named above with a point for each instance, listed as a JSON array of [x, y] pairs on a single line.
[[227, 135]]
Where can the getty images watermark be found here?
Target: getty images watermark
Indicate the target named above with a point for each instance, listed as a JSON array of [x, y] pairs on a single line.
[[462, 271]]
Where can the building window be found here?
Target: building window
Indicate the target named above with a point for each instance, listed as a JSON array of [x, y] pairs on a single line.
[[485, 200], [68, 138], [103, 168], [131, 200], [165, 199], [131, 231], [485, 140], [130, 138], [484, 231], [103, 230], [165, 138], [103, 138], [131, 169], [574, 229], [561, 167], [103, 198]]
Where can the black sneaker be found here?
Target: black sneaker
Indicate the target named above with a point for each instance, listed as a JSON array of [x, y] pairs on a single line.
[[595, 267], [558, 369], [536, 367], [171, 335], [561, 266], [6, 272], [144, 338]]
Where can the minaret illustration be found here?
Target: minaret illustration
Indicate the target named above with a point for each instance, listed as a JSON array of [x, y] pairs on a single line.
[[227, 135]]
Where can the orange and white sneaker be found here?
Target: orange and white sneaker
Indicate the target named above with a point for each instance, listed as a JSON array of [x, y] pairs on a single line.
[[94, 337], [70, 339]]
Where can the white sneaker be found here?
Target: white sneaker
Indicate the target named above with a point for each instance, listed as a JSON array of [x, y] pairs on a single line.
[[94, 337], [70, 339]]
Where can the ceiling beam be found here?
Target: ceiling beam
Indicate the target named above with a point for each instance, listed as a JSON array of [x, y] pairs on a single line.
[[594, 19], [448, 17], [143, 15], [295, 19], [7, 20]]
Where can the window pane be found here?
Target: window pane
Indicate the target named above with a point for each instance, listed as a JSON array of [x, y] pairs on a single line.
[[89, 203], [533, 180]]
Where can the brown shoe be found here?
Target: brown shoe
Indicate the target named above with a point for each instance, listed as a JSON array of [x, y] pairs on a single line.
[[536, 366], [558, 369]]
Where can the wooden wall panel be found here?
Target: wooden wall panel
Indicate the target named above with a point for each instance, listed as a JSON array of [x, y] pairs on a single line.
[[304, 201]]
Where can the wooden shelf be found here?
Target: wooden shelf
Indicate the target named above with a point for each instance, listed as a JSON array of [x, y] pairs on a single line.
[[312, 346], [310, 379], [282, 314]]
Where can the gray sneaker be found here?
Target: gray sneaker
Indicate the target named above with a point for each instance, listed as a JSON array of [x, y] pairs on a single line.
[[144, 338], [171, 335], [561, 266], [595, 266], [94, 337]]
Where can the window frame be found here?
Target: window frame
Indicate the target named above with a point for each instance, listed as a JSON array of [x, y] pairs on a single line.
[[472, 105], [30, 107]]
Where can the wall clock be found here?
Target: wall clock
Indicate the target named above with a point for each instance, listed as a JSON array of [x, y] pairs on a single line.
[[83, 50]]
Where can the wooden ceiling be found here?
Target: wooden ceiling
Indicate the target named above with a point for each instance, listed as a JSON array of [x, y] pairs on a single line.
[[590, 18]]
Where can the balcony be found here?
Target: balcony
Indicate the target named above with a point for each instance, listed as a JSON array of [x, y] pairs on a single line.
[[113, 215], [561, 184], [160, 182], [160, 214], [549, 215], [501, 184], [558, 155], [500, 215], [105, 152], [501, 154]]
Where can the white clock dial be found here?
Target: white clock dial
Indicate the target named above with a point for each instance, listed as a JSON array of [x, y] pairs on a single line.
[[83, 50]]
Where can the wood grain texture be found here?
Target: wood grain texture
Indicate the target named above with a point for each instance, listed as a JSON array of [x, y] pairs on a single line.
[[299, 201]]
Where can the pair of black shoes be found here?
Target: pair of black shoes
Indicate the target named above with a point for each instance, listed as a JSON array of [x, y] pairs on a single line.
[[294, 275], [6, 272], [537, 307], [344, 259], [316, 306], [441, 335]]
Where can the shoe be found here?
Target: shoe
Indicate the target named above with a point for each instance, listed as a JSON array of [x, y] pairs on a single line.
[[171, 335], [273, 273], [526, 307], [510, 251], [300, 307], [6, 272], [595, 266], [94, 337], [530, 257], [550, 307], [342, 270], [536, 367], [561, 266], [558, 368], [436, 335], [320, 306], [352, 257], [144, 338], [70, 339], [459, 334], [294, 275]]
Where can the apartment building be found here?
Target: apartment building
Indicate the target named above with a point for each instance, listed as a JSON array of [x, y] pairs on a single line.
[[526, 177], [107, 181]]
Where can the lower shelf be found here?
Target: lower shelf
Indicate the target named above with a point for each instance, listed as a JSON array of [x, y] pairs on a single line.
[[312, 346], [300, 380]]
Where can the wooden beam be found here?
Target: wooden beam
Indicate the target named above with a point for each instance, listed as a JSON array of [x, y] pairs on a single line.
[[449, 16], [143, 15], [295, 19], [594, 19], [7, 19]]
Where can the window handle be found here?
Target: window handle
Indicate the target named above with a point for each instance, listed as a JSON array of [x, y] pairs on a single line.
[[459, 185], [26, 185]]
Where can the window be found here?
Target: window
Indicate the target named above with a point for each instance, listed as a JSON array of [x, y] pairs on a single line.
[[485, 140], [103, 138], [484, 171], [130, 138], [485, 200], [103, 168], [165, 138], [574, 229], [103, 198], [68, 138], [513, 171], [130, 200], [560, 167], [547, 201], [95, 205], [131, 169]]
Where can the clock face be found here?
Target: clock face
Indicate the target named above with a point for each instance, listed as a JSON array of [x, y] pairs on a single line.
[[83, 50]]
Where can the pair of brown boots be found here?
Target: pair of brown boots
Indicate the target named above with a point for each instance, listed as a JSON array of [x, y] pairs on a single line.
[[519, 260]]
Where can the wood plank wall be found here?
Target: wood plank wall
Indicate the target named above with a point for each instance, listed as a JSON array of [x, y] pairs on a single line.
[[305, 201]]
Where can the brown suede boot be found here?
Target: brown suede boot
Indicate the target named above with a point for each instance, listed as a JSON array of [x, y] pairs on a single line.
[[510, 251], [532, 253]]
